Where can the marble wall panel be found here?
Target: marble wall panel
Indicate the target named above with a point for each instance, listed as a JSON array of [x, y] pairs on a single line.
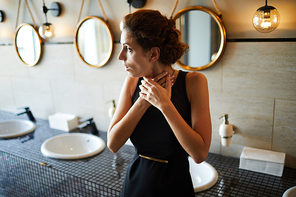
[[251, 116], [56, 64], [7, 102], [284, 134], [256, 69], [35, 93], [82, 99], [10, 63], [113, 71]]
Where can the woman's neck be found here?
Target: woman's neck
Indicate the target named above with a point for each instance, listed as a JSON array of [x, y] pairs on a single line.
[[161, 69]]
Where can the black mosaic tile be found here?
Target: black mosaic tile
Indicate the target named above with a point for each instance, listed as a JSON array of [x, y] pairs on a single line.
[[22, 175]]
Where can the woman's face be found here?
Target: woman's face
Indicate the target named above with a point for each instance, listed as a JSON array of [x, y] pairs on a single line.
[[134, 58]]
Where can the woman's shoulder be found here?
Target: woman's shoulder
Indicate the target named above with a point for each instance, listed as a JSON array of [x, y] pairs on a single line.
[[130, 84], [196, 85], [195, 77]]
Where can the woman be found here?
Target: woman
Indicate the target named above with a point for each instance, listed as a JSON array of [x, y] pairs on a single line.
[[165, 112]]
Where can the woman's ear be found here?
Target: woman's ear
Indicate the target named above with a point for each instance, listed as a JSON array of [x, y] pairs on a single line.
[[154, 54]]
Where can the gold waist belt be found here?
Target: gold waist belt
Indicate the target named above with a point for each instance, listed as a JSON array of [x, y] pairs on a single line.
[[154, 159]]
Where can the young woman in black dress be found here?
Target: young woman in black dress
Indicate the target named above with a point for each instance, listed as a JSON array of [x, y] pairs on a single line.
[[165, 112]]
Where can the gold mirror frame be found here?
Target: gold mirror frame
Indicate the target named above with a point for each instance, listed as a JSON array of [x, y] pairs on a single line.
[[36, 52], [222, 36], [110, 41]]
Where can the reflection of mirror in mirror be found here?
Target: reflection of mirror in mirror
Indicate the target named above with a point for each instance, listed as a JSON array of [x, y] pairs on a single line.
[[201, 32], [94, 42], [205, 34], [28, 44]]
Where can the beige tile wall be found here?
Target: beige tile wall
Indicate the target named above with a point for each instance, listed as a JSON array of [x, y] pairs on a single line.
[[255, 83], [257, 88]]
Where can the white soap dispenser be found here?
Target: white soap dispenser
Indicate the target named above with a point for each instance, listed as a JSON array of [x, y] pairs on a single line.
[[112, 109], [225, 131]]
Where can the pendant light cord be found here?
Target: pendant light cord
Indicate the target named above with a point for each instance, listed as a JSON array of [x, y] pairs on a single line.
[[17, 14], [31, 14], [105, 16], [174, 8], [216, 6], [82, 3]]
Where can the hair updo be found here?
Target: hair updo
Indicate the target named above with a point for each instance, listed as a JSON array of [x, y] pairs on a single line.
[[151, 29]]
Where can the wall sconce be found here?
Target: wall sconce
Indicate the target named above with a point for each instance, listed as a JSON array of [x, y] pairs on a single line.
[[1, 16], [266, 18], [47, 29]]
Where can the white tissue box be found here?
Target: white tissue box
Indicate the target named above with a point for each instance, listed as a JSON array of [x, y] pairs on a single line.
[[64, 122], [264, 161]]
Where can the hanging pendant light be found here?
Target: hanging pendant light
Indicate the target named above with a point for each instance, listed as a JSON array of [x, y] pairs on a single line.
[[47, 29], [266, 18]]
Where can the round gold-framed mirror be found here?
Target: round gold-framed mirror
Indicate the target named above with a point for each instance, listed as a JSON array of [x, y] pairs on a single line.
[[27, 43], [94, 41], [205, 34]]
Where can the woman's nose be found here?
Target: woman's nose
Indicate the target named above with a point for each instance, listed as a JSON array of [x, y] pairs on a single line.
[[121, 56]]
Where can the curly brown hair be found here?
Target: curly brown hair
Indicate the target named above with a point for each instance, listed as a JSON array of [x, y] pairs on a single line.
[[151, 29]]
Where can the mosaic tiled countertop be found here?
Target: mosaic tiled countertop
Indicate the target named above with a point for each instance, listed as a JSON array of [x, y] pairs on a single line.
[[21, 172]]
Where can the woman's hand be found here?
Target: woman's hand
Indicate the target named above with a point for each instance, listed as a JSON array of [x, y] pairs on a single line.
[[156, 93], [161, 78]]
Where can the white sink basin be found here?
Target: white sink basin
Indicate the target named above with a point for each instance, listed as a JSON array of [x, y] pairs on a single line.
[[291, 192], [72, 146], [203, 175], [16, 128]]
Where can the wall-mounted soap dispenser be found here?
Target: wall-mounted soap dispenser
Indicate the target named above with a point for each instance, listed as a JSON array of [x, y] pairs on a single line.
[[112, 109], [226, 131]]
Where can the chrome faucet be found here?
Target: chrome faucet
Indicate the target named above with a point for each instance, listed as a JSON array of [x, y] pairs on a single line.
[[88, 122], [28, 112]]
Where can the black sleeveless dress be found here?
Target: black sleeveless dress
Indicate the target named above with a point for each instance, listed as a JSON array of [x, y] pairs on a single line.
[[154, 138]]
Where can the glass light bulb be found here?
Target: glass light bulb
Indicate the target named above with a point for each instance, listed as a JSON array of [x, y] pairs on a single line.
[[46, 30], [266, 19]]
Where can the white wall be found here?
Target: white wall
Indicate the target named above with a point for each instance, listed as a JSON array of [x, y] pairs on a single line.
[[254, 83]]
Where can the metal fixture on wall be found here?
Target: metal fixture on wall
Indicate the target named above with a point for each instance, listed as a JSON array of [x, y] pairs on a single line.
[[138, 3], [1, 16], [266, 18], [47, 29]]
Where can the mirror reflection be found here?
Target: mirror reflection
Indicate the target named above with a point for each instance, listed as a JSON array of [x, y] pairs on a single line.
[[205, 34], [28, 44], [94, 41]]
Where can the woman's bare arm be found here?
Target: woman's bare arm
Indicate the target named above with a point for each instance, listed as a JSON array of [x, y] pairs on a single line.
[[127, 115]]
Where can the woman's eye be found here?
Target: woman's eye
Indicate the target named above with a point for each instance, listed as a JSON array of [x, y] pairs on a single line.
[[128, 49]]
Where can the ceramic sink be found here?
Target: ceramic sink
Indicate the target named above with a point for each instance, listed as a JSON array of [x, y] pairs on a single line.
[[72, 146], [203, 175], [291, 192], [16, 128]]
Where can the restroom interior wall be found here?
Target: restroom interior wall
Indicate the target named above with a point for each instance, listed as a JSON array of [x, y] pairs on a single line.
[[254, 82]]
